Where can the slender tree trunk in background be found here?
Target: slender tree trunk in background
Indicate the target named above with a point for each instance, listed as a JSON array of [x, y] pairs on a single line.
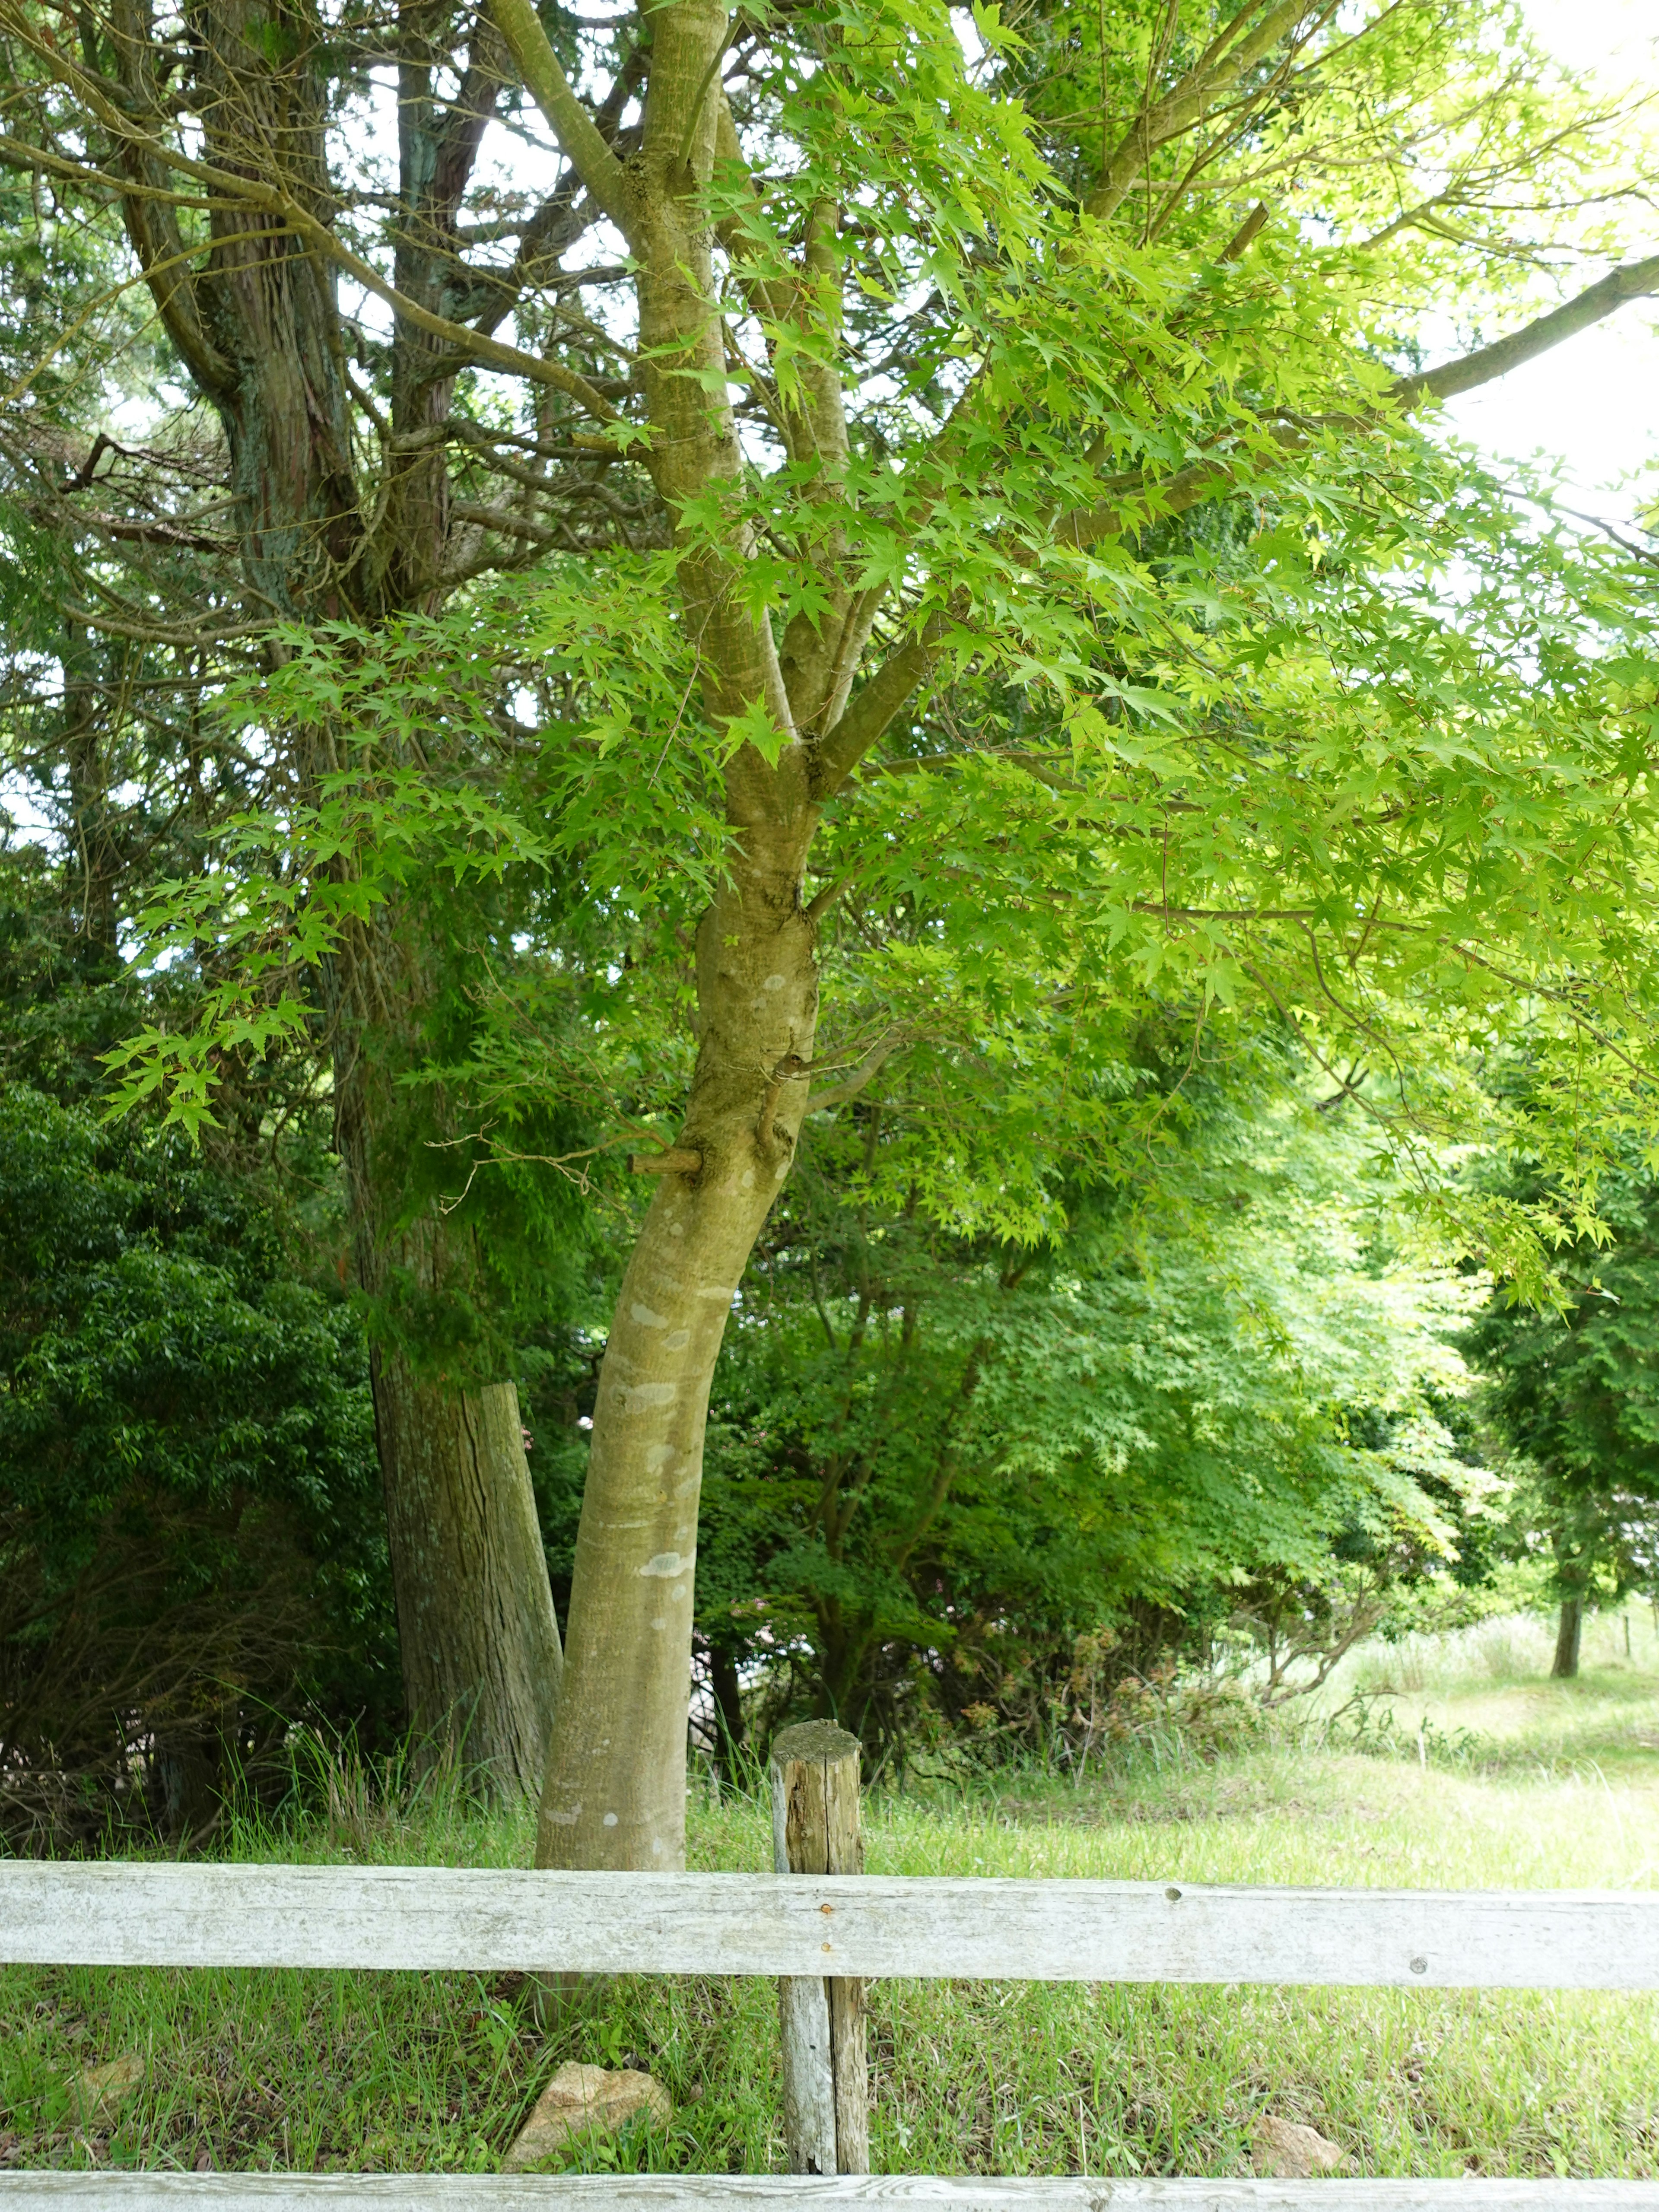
[[96, 861], [1568, 1635], [1573, 1542], [726, 1690], [840, 1643]]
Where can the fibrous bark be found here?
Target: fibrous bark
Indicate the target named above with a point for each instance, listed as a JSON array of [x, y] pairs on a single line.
[[480, 1676], [257, 326]]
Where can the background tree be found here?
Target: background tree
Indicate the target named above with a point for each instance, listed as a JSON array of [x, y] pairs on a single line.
[[1574, 1392], [247, 499]]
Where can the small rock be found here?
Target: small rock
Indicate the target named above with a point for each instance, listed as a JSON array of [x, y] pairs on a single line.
[[582, 2097], [101, 2091], [1284, 2150]]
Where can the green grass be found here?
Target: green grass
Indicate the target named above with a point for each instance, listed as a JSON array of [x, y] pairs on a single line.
[[1557, 1785]]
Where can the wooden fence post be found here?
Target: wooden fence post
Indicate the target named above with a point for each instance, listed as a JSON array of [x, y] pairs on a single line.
[[815, 1830]]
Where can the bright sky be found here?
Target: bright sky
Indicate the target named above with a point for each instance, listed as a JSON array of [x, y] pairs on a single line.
[[1594, 402]]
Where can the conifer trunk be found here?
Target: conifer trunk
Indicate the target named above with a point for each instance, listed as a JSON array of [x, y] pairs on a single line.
[[478, 1640], [259, 332], [475, 1614]]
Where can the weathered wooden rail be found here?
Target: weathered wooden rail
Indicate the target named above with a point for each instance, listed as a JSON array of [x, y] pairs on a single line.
[[370, 1917], [823, 1929]]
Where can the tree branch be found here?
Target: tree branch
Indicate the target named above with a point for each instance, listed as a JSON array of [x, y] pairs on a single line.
[[1230, 53], [1636, 280], [1203, 479], [842, 1094], [159, 633], [464, 339], [869, 712], [249, 192], [569, 121]]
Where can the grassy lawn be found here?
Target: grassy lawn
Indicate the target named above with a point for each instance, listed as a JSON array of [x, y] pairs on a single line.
[[1515, 1782]]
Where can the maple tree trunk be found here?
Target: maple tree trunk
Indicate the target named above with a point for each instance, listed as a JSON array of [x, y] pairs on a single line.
[[615, 1792], [615, 1795]]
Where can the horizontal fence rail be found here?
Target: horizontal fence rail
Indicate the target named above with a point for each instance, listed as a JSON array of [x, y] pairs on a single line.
[[426, 1918], [456, 2193]]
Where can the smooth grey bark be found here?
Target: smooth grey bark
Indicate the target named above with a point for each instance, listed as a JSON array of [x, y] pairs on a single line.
[[615, 1793]]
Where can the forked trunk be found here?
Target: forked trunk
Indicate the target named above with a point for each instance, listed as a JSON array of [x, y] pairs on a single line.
[[615, 1795]]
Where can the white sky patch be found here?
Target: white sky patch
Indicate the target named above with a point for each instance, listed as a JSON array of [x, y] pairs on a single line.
[[1592, 403], [24, 818], [967, 31]]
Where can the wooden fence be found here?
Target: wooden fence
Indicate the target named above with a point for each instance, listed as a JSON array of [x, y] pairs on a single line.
[[823, 1929]]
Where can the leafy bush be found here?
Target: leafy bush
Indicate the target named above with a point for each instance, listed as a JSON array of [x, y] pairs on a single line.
[[190, 1541]]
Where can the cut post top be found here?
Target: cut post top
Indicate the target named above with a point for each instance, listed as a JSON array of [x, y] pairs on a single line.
[[816, 1742]]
